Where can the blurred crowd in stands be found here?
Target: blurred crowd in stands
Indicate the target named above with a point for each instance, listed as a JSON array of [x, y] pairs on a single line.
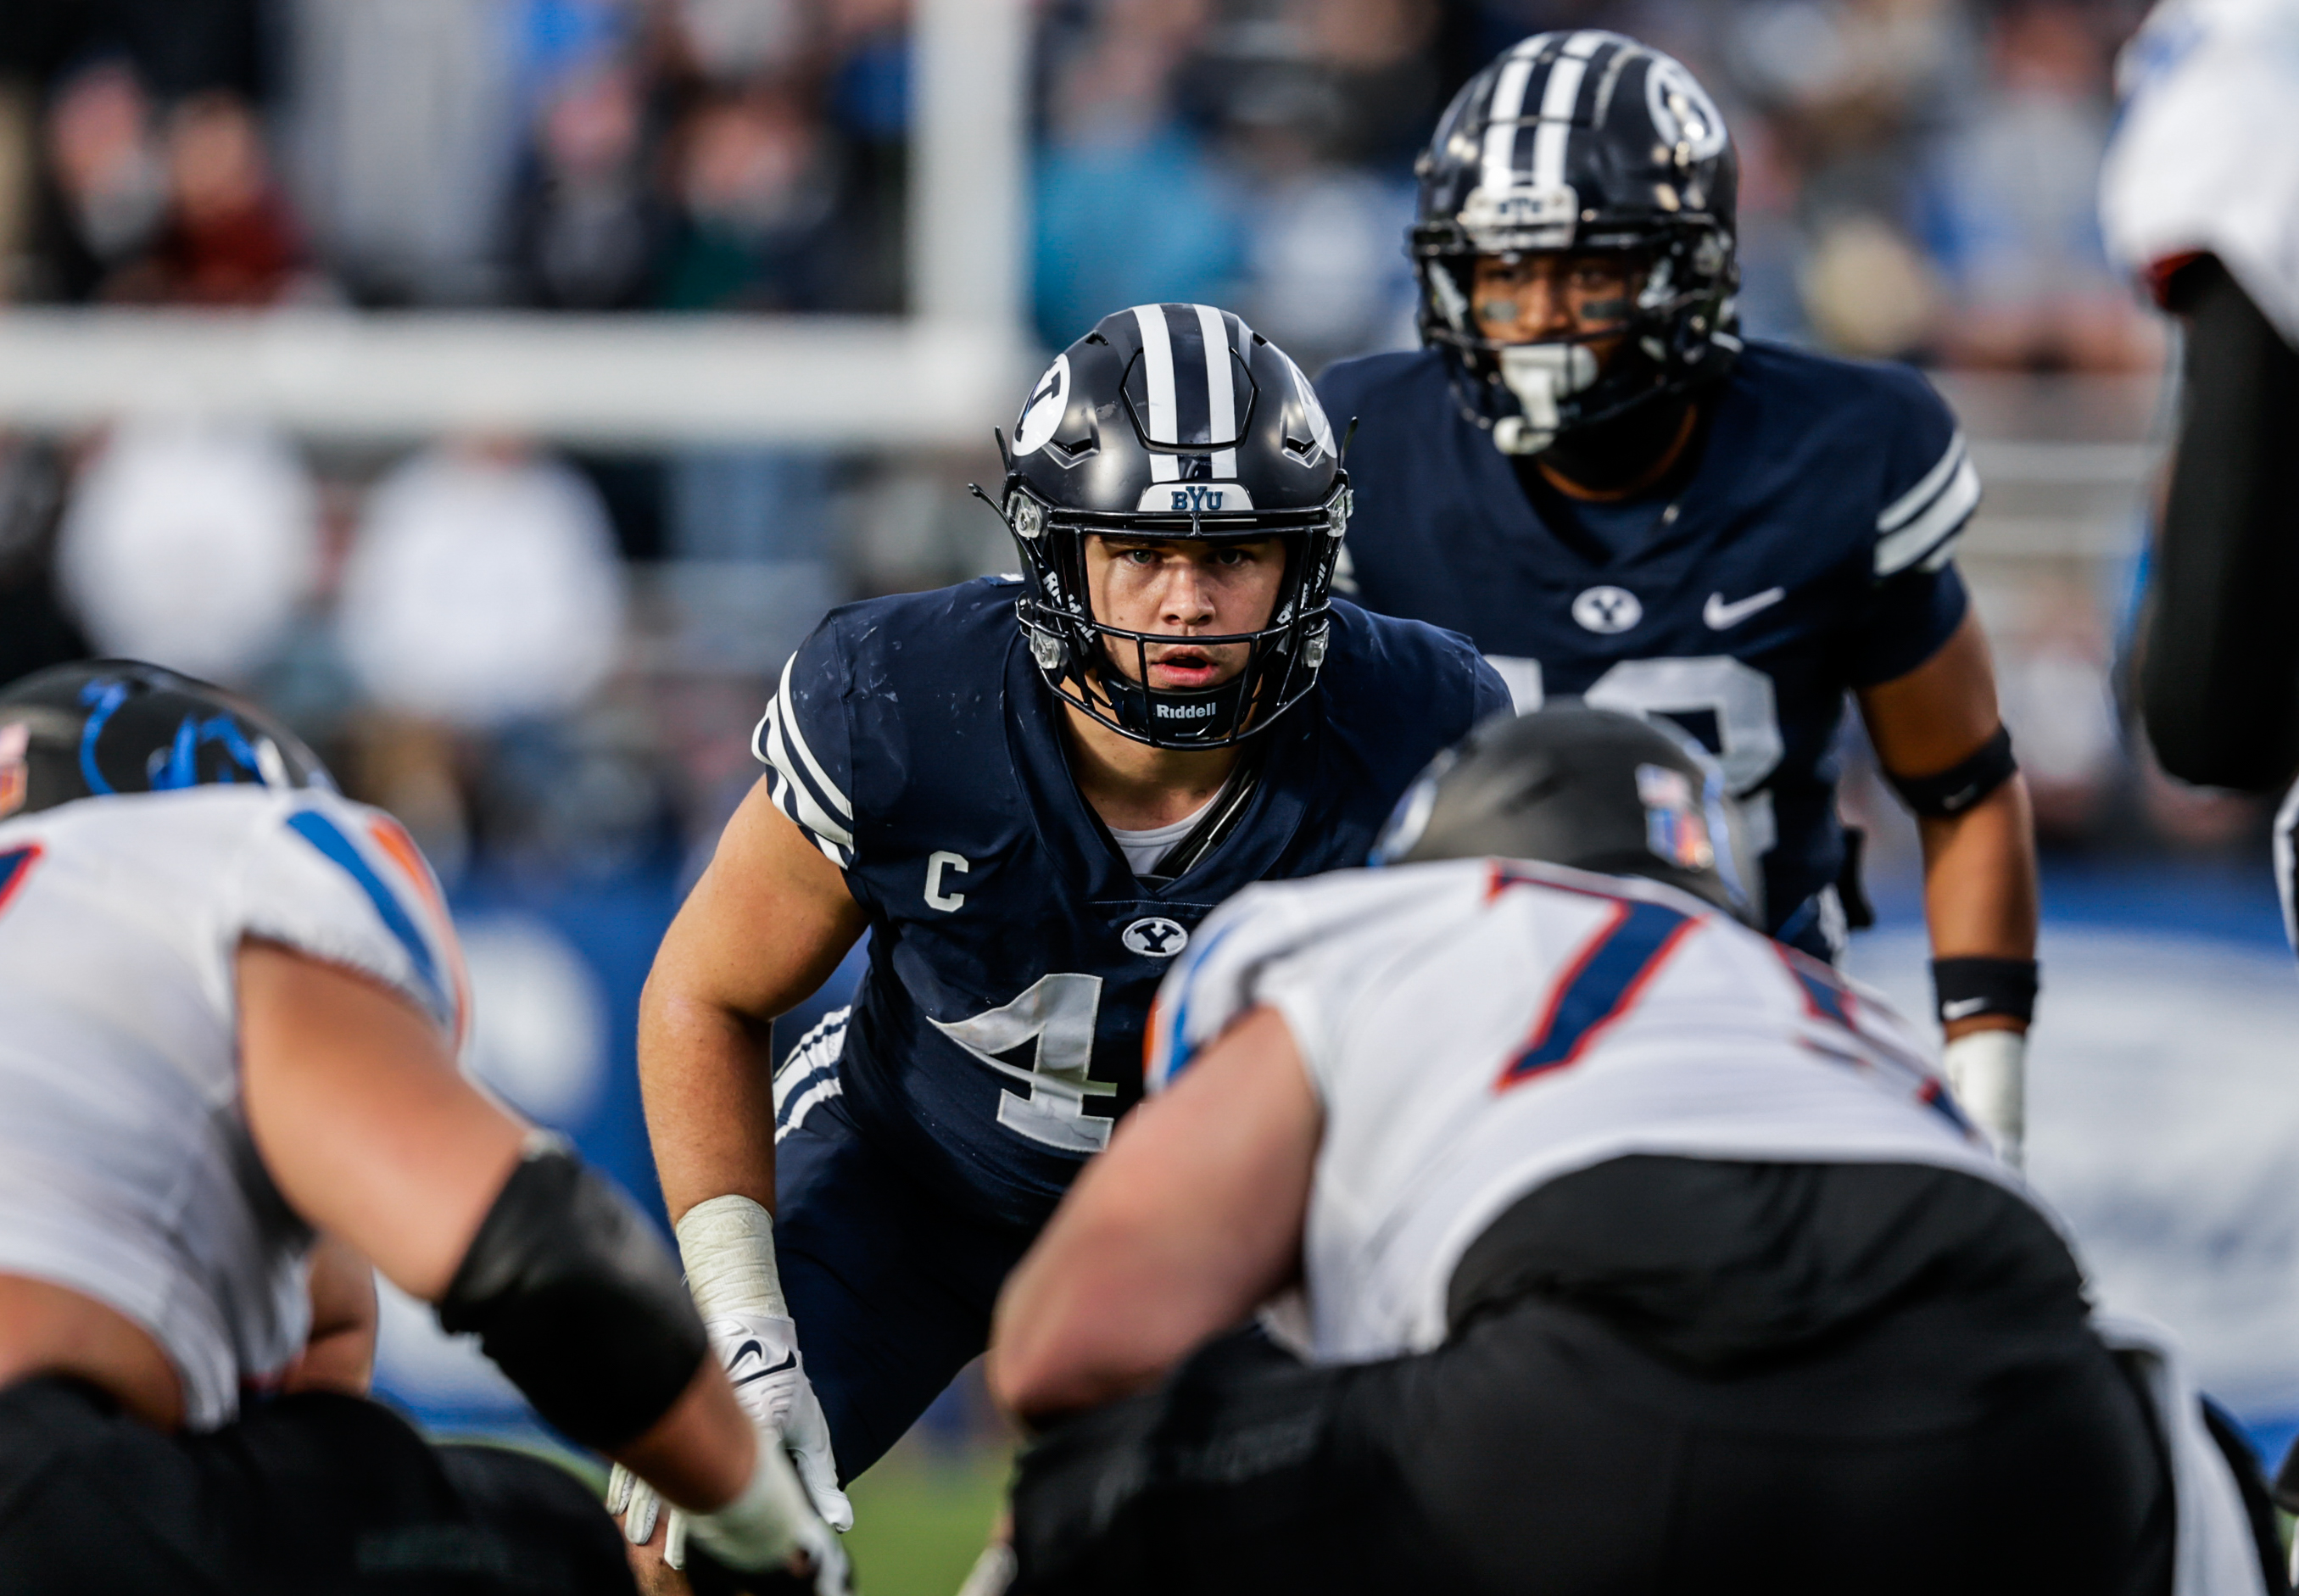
[[545, 659]]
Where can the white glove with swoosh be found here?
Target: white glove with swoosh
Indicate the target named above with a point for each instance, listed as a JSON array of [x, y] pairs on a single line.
[[728, 1244]]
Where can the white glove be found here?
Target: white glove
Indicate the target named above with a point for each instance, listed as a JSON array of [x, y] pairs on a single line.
[[728, 1247], [760, 1353], [1987, 1071], [761, 1529]]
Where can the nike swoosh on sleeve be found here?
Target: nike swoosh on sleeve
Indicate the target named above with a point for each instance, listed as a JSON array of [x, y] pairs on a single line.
[[1721, 616], [1961, 1007]]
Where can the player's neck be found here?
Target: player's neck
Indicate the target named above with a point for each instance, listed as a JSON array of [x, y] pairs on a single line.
[[1623, 458], [1135, 787]]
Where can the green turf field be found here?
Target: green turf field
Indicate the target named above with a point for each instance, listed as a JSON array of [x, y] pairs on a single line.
[[921, 1516]]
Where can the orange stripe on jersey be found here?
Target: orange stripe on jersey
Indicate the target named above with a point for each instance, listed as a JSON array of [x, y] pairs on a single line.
[[392, 837]]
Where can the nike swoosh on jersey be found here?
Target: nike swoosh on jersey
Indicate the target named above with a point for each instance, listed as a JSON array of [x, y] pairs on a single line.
[[1719, 615], [1961, 1007], [790, 1361]]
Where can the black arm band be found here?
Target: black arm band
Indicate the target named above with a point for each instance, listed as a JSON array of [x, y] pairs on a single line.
[[578, 1301], [1963, 784], [1969, 987]]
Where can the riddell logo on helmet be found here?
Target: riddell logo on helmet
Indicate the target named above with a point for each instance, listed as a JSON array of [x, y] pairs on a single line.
[[1183, 711]]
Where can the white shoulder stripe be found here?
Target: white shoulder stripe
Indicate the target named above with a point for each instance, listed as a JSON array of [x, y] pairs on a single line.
[[1921, 537], [793, 796], [1909, 504], [1221, 391], [785, 795], [1158, 370], [789, 722]]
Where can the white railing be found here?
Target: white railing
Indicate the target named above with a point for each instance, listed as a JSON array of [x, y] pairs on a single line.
[[938, 376]]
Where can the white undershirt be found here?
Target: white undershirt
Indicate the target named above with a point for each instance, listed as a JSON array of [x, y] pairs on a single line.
[[1144, 849]]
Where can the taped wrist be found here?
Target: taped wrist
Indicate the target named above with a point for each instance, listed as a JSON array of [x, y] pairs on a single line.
[[1967, 988], [727, 1245], [576, 1301], [1962, 785]]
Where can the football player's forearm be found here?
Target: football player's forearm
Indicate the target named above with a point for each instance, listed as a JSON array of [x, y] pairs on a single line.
[[1979, 883], [1102, 1313], [706, 1076], [339, 1350]]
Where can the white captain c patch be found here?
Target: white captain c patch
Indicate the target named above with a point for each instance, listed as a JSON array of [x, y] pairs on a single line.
[[937, 896]]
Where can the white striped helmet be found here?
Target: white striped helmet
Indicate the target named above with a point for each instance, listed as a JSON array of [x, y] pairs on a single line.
[[1174, 421], [1583, 141]]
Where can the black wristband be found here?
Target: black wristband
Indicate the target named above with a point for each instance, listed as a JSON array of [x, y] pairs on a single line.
[[1962, 785], [1966, 988]]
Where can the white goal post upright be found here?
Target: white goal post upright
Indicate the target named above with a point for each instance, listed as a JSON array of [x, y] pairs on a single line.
[[937, 377]]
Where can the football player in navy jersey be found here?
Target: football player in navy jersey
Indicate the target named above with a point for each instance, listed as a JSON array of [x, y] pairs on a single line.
[[1588, 472], [1029, 791]]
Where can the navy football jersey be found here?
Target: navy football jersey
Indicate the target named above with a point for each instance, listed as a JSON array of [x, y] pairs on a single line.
[[1806, 553], [996, 1034]]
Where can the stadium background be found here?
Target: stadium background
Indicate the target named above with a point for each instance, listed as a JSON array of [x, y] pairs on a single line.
[[499, 389]]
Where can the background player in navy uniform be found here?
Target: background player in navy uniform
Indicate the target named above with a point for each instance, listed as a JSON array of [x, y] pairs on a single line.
[[1587, 472], [1030, 820]]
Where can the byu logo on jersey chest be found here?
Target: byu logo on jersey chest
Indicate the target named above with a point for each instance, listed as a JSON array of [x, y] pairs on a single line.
[[1607, 609], [1156, 938]]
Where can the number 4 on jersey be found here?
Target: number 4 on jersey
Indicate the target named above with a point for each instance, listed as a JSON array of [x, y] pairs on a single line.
[[15, 866], [1058, 1012]]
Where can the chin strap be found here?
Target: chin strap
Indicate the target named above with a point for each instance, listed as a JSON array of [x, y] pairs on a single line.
[[1539, 375]]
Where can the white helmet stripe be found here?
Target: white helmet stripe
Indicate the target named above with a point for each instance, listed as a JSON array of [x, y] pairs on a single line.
[[1158, 369], [1221, 391], [1559, 96], [1501, 123]]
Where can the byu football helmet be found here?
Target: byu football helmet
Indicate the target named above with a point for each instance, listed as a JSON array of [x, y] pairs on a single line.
[[105, 727], [1171, 422], [1595, 789], [1578, 142]]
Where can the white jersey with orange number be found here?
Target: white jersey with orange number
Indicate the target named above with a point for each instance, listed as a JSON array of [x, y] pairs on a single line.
[[1475, 1029], [127, 1171], [2205, 158]]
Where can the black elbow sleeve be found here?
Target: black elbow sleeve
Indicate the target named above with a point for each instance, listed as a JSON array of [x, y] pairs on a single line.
[[578, 1300]]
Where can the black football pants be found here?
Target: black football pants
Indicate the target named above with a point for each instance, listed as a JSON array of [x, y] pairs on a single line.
[[1540, 1454], [307, 1495]]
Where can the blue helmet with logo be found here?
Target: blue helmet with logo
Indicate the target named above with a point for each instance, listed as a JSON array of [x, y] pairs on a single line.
[[1171, 422], [107, 727], [1580, 141]]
